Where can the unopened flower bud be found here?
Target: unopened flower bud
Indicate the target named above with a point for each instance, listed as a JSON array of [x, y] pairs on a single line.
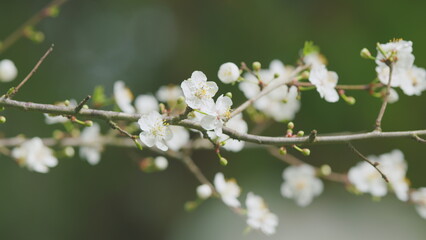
[[180, 100], [256, 66], [365, 53], [300, 133], [138, 144], [85, 106], [204, 191], [306, 151], [88, 123], [223, 161], [350, 100], [325, 170], [69, 152], [283, 150], [290, 125], [67, 103], [2, 119], [161, 163], [228, 94]]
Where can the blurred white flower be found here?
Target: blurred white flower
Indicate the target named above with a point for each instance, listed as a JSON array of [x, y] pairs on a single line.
[[229, 190], [217, 113], [35, 155], [198, 91], [123, 97], [204, 191], [402, 50], [368, 180], [228, 73], [415, 81], [259, 216], [146, 103], [92, 146], [154, 130], [393, 96], [280, 104], [418, 197], [179, 139], [301, 184], [236, 123], [8, 70], [169, 93], [161, 163], [325, 81]]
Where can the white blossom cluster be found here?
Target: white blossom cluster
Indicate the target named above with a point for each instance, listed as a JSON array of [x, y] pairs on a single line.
[[405, 75]]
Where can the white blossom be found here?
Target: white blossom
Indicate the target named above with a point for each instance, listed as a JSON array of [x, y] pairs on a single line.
[[123, 97], [169, 93], [415, 81], [146, 103], [35, 155], [325, 82], [8, 70], [204, 191], [198, 91], [92, 146], [161, 163], [368, 180], [301, 184], [216, 114], [418, 197], [402, 52], [228, 73], [393, 96], [179, 139], [236, 123], [280, 104], [154, 130], [259, 216], [228, 189]]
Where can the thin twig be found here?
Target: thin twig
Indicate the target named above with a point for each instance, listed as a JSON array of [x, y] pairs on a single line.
[[115, 126], [20, 32], [374, 164], [16, 89], [385, 101], [81, 104], [419, 139]]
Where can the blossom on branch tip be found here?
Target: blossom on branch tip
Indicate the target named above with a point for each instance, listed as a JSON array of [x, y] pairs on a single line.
[[418, 197], [217, 114], [259, 216], [301, 184], [123, 97], [35, 155], [325, 82], [154, 130], [414, 83], [228, 73], [8, 70], [198, 91], [204, 191], [92, 145], [228, 189], [146, 103], [403, 59]]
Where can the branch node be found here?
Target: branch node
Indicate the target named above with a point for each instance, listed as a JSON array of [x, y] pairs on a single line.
[[81, 104]]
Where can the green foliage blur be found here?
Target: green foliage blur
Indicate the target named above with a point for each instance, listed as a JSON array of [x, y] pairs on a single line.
[[152, 43]]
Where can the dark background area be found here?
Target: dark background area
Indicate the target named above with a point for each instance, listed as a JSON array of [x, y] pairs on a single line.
[[152, 43]]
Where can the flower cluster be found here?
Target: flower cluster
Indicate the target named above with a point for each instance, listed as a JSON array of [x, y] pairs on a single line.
[[368, 180], [410, 78], [259, 216]]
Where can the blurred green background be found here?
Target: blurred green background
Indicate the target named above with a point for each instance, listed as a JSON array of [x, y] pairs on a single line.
[[152, 43]]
